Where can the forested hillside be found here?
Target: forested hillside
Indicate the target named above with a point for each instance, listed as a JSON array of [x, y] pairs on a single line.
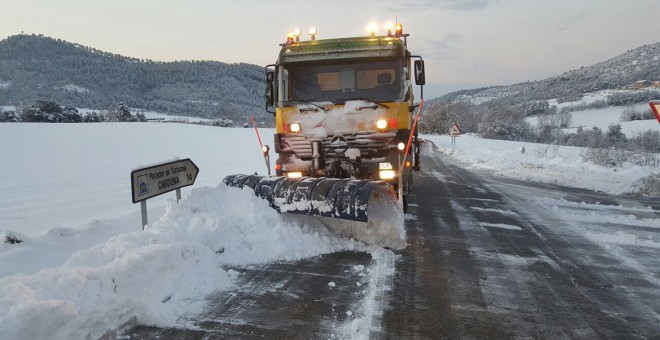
[[36, 67], [620, 72], [630, 78]]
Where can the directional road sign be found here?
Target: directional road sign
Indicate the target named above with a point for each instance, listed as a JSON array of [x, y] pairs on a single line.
[[161, 178]]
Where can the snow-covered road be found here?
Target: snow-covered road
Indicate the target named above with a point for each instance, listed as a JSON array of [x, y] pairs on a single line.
[[485, 245], [487, 258], [501, 258]]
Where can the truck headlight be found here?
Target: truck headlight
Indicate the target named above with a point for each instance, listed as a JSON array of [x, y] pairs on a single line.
[[381, 124], [294, 174], [294, 127], [387, 174]]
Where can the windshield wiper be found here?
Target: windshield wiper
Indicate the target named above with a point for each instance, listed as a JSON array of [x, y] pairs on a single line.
[[368, 100], [307, 102]]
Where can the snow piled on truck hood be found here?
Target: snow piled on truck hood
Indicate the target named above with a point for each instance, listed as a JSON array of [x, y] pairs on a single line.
[[354, 116], [161, 275]]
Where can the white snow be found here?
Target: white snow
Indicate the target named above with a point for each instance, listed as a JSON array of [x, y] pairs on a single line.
[[153, 115], [561, 165], [354, 116], [170, 118], [621, 238], [4, 108], [625, 230], [84, 265], [604, 117], [500, 211], [73, 88], [500, 225], [66, 175], [74, 279], [367, 317], [588, 98], [161, 274]]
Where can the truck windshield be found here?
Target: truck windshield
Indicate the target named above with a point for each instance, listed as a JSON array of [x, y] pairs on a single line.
[[379, 81]]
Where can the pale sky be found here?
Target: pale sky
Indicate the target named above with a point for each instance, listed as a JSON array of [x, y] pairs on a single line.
[[464, 42]]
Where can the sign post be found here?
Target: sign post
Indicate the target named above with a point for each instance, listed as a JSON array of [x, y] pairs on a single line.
[[454, 132], [655, 107], [161, 178]]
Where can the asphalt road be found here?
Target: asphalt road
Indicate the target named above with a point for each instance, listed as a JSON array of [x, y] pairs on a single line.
[[483, 262]]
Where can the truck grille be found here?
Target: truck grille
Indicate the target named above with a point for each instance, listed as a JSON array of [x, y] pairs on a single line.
[[370, 144]]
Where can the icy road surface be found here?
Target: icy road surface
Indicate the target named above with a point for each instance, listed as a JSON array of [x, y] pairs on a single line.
[[489, 253], [487, 258], [496, 259]]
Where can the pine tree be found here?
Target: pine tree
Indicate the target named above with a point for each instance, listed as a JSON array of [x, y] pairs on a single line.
[[123, 114]]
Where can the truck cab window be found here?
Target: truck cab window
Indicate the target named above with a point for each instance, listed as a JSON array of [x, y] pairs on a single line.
[[283, 93], [381, 81]]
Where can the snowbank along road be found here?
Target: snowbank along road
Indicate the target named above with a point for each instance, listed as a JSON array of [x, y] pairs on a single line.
[[486, 258]]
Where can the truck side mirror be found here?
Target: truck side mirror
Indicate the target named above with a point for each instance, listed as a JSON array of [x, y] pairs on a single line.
[[420, 79], [270, 93]]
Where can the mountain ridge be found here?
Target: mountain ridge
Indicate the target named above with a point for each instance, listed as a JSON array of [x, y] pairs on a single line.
[[38, 67], [641, 63]]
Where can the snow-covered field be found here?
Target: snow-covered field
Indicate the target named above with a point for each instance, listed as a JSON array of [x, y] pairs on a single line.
[[65, 175], [84, 263], [85, 266], [154, 115], [541, 163], [605, 116]]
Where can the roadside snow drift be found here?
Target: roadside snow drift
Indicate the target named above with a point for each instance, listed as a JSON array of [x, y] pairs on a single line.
[[561, 165], [160, 275], [368, 211]]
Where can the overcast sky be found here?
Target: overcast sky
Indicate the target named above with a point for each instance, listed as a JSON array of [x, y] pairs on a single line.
[[465, 42]]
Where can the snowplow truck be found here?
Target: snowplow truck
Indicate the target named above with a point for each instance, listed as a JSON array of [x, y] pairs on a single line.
[[344, 114]]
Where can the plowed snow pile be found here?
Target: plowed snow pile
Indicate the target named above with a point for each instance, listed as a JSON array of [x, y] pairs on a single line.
[[160, 275]]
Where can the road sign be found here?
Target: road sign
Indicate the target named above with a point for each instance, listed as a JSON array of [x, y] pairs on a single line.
[[454, 131], [655, 106], [161, 178]]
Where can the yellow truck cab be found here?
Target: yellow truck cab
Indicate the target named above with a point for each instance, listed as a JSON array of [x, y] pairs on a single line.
[[344, 107]]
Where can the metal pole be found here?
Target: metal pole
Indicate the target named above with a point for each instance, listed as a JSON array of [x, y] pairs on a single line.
[[178, 195], [143, 208], [412, 132], [400, 180], [268, 163]]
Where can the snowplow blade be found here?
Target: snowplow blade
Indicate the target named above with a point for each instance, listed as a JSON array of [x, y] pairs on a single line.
[[365, 210]]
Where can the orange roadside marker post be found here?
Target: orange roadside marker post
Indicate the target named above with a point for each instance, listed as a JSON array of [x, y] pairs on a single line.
[[655, 107]]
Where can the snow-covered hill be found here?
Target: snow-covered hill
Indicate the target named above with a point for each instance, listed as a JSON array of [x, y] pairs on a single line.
[[34, 67], [83, 264], [642, 63]]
